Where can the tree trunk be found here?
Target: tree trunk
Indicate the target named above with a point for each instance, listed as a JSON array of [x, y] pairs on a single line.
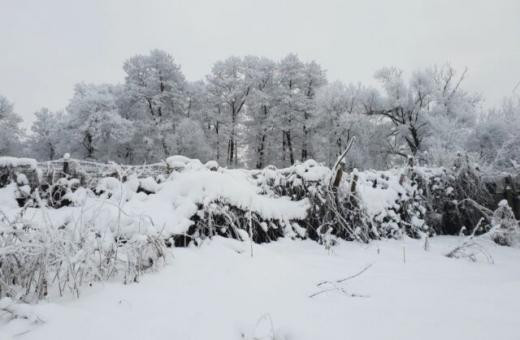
[[261, 150], [304, 143], [218, 141], [283, 148], [289, 146], [88, 146], [165, 147], [236, 154], [305, 136], [51, 151], [231, 151], [415, 144]]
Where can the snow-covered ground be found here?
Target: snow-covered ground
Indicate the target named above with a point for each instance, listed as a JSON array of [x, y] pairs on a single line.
[[218, 291]]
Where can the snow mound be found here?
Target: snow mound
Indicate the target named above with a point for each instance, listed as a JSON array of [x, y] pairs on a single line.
[[148, 184], [16, 162], [212, 165], [171, 206], [8, 196], [179, 199], [180, 163], [311, 171]]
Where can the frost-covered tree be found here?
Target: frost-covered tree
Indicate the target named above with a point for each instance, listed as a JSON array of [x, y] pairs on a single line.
[[216, 122], [289, 114], [340, 117], [229, 86], [190, 141], [252, 111], [496, 136], [264, 97], [200, 109], [95, 128], [10, 130], [314, 77], [335, 123], [196, 97], [154, 95], [47, 135], [295, 115], [453, 116], [424, 113]]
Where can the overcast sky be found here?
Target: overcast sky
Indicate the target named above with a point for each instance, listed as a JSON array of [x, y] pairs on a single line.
[[46, 46]]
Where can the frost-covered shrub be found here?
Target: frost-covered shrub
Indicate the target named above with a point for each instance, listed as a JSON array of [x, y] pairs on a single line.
[[222, 219], [453, 196], [332, 213], [208, 200], [392, 202], [192, 200], [40, 253], [506, 229], [296, 181]]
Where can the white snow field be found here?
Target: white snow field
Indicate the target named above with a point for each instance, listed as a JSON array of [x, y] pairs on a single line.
[[218, 291]]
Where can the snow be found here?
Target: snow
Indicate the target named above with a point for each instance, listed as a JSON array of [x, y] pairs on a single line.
[[21, 179], [176, 200], [381, 194], [311, 171], [8, 196], [218, 291], [212, 165], [377, 199], [148, 184], [25, 190], [108, 184], [16, 162], [183, 163], [171, 205]]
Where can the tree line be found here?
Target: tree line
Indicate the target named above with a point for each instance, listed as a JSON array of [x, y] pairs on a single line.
[[252, 112]]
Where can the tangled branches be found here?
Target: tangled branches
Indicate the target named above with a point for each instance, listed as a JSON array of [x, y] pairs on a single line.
[[471, 247]]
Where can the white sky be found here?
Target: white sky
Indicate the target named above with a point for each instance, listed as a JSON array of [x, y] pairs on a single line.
[[46, 46]]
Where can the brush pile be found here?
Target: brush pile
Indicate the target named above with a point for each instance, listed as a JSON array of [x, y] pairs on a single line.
[[69, 234]]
